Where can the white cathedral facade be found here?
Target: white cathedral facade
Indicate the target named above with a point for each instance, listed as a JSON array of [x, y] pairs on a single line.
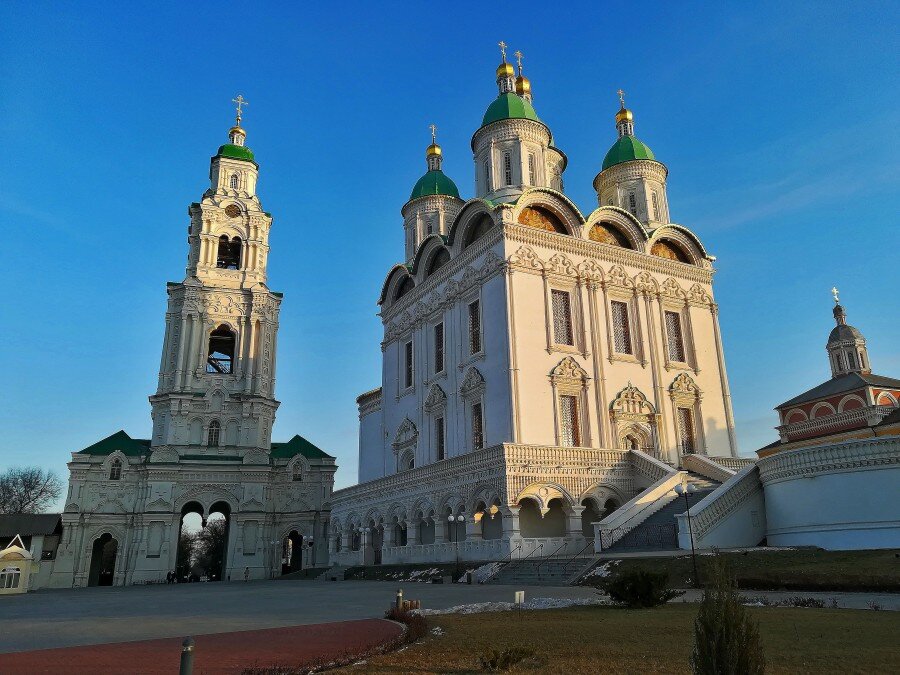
[[541, 367], [211, 450]]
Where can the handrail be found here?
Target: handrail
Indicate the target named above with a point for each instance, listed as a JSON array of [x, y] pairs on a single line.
[[501, 564], [537, 569], [575, 557]]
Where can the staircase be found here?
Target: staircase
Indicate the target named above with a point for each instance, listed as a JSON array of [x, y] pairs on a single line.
[[542, 571], [333, 571], [659, 532]]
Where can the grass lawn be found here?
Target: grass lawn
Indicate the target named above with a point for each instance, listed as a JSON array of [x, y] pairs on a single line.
[[802, 569], [610, 640]]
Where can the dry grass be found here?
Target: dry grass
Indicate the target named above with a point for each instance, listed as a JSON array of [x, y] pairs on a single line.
[[609, 640]]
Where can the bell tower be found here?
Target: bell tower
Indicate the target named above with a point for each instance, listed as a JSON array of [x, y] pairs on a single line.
[[217, 374]]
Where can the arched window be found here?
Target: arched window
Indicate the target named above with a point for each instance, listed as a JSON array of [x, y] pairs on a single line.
[[297, 474], [229, 254], [212, 437], [405, 287], [531, 175], [115, 469], [407, 461], [607, 233], [478, 229], [487, 176], [541, 219], [220, 357], [667, 249], [655, 207], [507, 169], [234, 181]]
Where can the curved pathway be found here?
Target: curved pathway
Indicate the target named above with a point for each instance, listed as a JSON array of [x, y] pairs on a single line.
[[217, 653]]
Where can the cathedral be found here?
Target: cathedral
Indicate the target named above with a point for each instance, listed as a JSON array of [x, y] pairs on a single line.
[[540, 367], [211, 451]]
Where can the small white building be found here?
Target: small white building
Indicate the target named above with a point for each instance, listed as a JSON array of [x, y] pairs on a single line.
[[16, 567], [541, 367], [211, 451]]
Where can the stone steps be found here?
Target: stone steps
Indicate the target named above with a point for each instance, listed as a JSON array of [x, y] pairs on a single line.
[[541, 572]]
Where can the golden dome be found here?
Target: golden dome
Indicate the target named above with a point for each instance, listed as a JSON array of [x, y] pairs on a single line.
[[433, 150], [505, 70], [523, 85], [624, 115], [236, 130]]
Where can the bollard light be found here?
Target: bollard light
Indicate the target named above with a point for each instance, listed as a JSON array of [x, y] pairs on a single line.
[[187, 656]]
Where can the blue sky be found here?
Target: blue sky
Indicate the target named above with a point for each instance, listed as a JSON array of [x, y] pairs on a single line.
[[777, 122]]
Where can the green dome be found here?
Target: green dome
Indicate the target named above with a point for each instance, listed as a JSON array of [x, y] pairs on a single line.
[[434, 183], [509, 106], [236, 152], [626, 149]]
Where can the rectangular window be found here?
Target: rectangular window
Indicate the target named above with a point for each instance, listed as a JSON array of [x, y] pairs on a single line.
[[408, 365], [632, 204], [531, 177], [439, 438], [487, 176], [570, 433], [655, 207], [507, 168], [477, 427], [439, 348], [562, 318], [621, 327], [851, 361], [686, 430], [474, 327], [675, 337]]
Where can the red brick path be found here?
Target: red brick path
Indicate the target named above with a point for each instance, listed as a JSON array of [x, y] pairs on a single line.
[[215, 654]]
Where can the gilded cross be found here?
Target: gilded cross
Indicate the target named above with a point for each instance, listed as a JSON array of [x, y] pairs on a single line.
[[518, 56], [240, 101], [834, 292], [502, 46], [621, 97], [433, 130]]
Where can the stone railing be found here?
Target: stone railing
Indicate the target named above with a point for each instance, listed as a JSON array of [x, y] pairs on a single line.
[[648, 466], [635, 511], [845, 456], [710, 510], [530, 454], [871, 415], [733, 463], [468, 549], [705, 466]]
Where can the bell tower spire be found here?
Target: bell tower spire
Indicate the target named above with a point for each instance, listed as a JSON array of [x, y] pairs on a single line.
[[846, 346]]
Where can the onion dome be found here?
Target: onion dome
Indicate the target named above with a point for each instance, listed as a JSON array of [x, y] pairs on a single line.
[[842, 331], [523, 84], [505, 70], [627, 148], [846, 345], [434, 182], [509, 106], [237, 137]]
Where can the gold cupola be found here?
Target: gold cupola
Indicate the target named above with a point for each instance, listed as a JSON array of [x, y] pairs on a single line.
[[506, 74], [624, 118], [433, 153], [523, 84]]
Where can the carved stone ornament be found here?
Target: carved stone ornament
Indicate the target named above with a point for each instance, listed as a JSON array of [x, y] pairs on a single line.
[[618, 277], [672, 289], [569, 370], [473, 382], [683, 388], [527, 258], [406, 437], [436, 398], [560, 264], [631, 404]]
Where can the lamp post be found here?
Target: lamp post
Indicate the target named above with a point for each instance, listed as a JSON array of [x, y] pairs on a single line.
[[452, 520], [685, 489]]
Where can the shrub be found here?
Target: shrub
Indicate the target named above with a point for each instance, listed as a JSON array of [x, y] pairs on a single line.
[[726, 639], [640, 588], [797, 601], [416, 624], [503, 659]]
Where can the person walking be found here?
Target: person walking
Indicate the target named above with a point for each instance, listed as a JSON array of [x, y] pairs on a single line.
[[246, 574]]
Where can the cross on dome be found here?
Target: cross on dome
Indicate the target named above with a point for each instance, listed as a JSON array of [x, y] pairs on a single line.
[[240, 101], [518, 56], [621, 94], [834, 292], [433, 131], [502, 46]]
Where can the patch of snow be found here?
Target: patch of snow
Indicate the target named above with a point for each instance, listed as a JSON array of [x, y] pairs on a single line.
[[603, 570], [437, 631], [535, 603], [481, 574]]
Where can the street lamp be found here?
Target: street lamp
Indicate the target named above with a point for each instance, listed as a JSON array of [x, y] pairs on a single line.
[[451, 519], [685, 489]]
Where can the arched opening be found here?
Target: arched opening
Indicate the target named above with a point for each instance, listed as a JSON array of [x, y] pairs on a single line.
[[609, 506], [607, 233], [297, 472], [213, 434], [292, 553], [455, 529], [491, 520], [115, 469], [405, 287], [398, 532], [541, 219], [426, 531], [669, 250], [589, 516], [221, 351], [228, 256], [477, 230], [438, 260], [234, 181], [631, 442], [103, 561], [407, 461], [533, 524], [355, 538], [202, 542]]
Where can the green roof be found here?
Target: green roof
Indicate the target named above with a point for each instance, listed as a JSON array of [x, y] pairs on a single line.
[[434, 183], [298, 446], [131, 447], [509, 106], [626, 149], [236, 152]]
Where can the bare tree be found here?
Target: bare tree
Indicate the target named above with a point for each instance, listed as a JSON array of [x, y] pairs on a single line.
[[28, 489]]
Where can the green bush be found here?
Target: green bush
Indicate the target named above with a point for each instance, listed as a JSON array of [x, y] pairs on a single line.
[[640, 588], [503, 659], [726, 638]]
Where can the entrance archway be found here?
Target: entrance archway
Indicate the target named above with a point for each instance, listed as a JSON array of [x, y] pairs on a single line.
[[533, 524], [103, 561], [203, 542], [292, 553], [589, 516]]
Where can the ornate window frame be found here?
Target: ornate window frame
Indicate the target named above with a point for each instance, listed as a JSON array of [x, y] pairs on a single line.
[[402, 388], [685, 393], [432, 334], [571, 286], [673, 298], [466, 355], [405, 442], [436, 408], [632, 414], [568, 378], [472, 392]]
